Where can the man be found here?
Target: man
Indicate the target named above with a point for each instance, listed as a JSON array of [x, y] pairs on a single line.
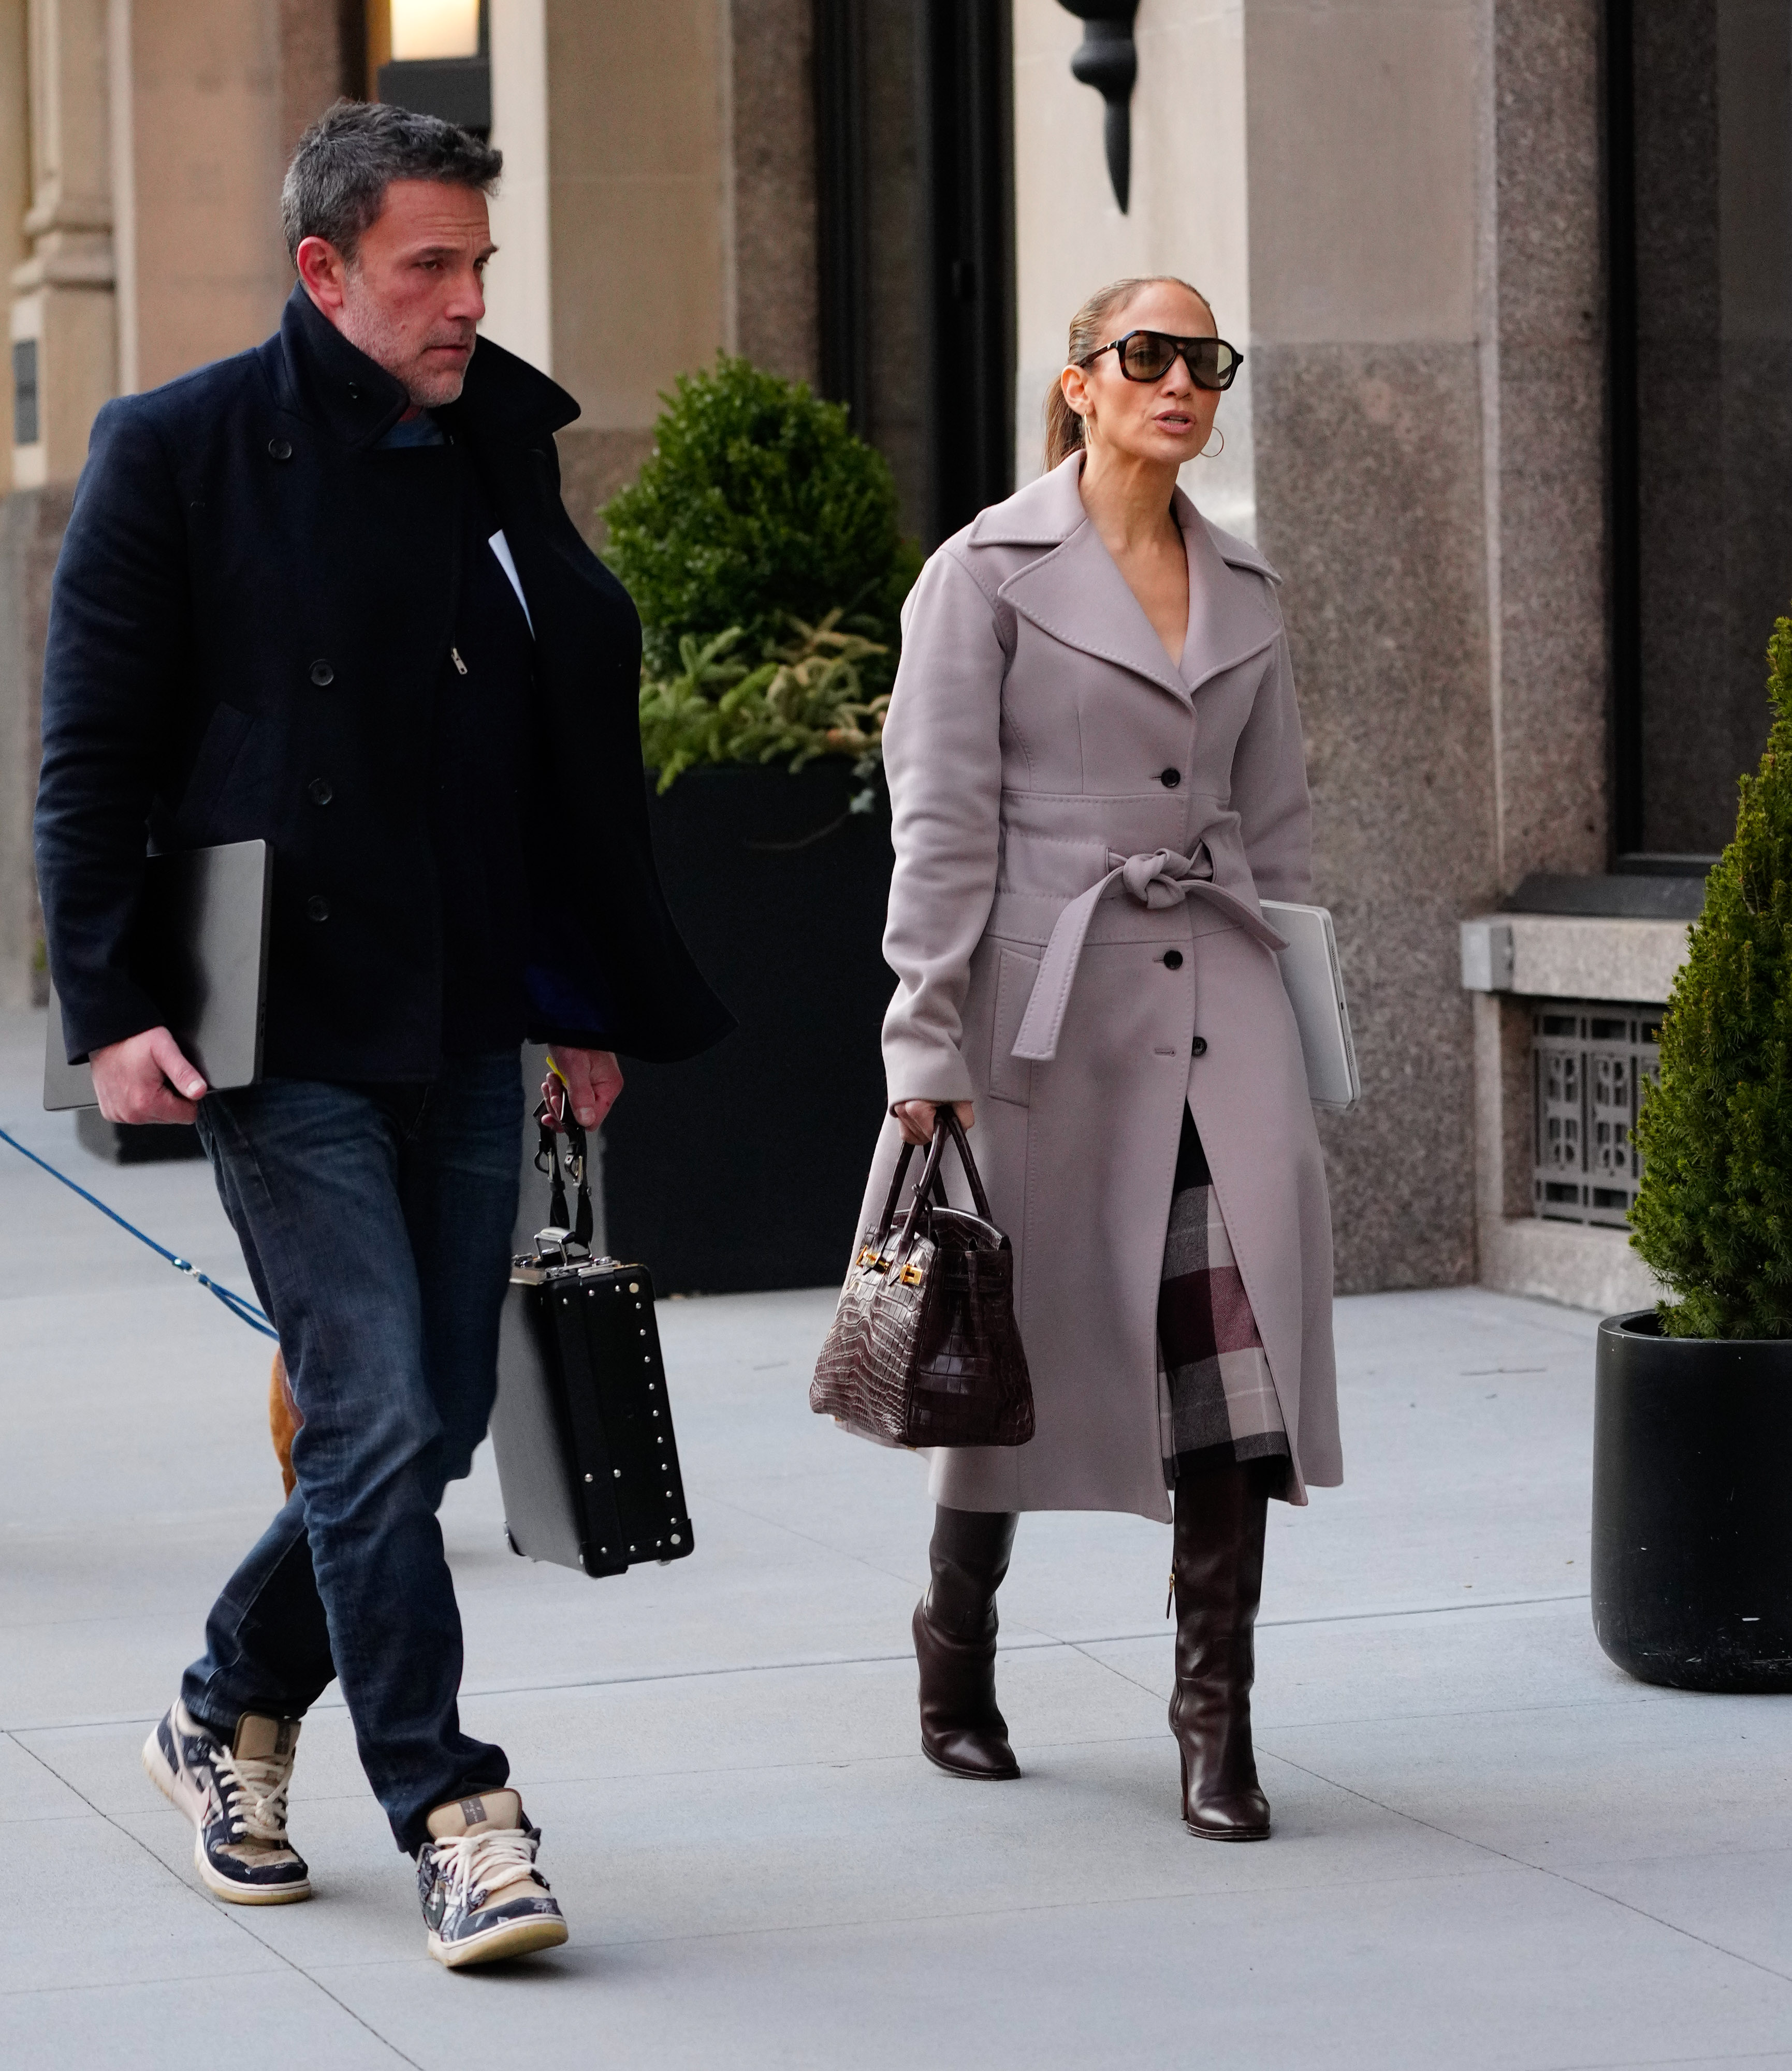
[[326, 593]]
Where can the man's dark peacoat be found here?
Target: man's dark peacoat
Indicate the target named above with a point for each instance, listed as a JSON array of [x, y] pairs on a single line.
[[247, 630]]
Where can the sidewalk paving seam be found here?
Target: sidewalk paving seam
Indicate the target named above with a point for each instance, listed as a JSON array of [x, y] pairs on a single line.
[[229, 1916], [1543, 1869], [808, 1538], [1668, 2063], [1468, 1840], [1045, 1642], [933, 1916], [1035, 1749]]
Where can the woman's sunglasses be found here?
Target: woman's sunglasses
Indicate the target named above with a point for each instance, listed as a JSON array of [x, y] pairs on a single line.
[[1148, 356]]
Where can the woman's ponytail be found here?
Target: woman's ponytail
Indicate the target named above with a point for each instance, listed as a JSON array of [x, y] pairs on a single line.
[[1064, 427]]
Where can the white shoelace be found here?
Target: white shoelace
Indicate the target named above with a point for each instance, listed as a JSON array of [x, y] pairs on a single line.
[[255, 1797], [491, 1861]]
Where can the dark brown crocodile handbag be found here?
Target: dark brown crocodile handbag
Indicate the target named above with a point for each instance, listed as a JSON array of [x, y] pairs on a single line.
[[924, 1349]]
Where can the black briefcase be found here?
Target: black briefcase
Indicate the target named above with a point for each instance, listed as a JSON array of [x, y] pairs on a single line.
[[582, 1429]]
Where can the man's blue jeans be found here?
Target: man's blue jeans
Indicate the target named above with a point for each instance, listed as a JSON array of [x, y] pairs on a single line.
[[377, 1223]]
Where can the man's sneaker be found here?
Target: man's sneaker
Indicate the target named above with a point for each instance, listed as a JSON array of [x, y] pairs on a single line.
[[235, 1797], [482, 1895]]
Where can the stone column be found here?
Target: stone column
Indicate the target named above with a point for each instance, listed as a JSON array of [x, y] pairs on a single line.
[[202, 102], [639, 176], [1367, 133], [63, 305], [17, 721], [519, 293], [53, 86], [772, 151], [1544, 388]]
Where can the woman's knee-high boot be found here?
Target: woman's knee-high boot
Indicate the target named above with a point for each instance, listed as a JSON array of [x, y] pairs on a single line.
[[961, 1729], [1218, 1578]]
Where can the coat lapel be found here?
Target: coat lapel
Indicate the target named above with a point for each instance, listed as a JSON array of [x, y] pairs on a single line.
[[1229, 618], [1075, 593]]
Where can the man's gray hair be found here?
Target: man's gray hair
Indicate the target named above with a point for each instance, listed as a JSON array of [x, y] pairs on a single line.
[[336, 184]]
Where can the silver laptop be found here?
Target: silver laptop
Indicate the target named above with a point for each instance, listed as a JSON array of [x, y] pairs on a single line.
[[200, 951], [1315, 988]]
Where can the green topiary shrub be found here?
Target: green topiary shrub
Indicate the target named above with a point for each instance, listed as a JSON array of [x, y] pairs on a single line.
[[757, 506], [1713, 1216]]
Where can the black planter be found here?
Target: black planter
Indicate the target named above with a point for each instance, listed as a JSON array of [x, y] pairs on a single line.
[[744, 1167], [1692, 1527]]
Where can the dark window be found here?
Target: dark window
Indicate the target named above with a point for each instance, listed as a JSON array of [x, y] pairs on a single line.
[[25, 431], [1699, 162], [913, 134]]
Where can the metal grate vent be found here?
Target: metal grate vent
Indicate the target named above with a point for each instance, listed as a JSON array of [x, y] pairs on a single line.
[[1588, 1059]]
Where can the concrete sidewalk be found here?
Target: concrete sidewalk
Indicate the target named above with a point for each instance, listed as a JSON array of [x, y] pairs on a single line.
[[1491, 1848]]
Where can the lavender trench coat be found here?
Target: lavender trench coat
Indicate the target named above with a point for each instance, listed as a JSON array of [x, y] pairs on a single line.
[[1047, 765]]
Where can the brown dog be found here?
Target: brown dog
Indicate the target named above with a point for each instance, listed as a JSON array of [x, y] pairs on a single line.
[[282, 1419]]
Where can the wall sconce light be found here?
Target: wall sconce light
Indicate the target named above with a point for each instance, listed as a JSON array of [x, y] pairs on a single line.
[[435, 29], [439, 63], [1107, 58]]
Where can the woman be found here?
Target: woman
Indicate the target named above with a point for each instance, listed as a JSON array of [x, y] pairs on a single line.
[[1095, 765]]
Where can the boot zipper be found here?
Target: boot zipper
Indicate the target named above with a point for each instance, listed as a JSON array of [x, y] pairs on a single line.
[[454, 654], [1169, 1600]]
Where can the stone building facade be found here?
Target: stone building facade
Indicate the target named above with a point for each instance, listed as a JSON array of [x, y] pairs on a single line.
[[1514, 279]]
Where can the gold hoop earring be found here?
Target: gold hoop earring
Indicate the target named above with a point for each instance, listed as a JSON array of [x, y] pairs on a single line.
[[1206, 455]]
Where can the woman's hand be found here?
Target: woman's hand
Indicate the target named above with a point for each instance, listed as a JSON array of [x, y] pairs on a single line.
[[917, 1118]]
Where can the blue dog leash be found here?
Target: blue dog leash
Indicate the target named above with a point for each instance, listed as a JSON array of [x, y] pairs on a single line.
[[239, 1306]]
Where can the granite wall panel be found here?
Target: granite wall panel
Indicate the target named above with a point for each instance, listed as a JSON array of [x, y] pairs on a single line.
[[773, 144], [1546, 444], [31, 525], [1369, 501], [594, 465]]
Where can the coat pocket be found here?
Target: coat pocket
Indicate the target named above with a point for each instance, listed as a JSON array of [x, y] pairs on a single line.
[[1011, 1077], [220, 747]]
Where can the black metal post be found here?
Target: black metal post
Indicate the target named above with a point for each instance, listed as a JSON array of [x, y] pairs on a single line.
[[840, 155], [970, 160]]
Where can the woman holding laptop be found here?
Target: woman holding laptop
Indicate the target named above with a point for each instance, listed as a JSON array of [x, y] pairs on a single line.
[[1096, 769]]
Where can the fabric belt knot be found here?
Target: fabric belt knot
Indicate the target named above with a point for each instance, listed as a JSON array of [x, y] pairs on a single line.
[[1159, 878]]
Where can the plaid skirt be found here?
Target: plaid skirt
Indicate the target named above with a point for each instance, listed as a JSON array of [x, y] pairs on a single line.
[[1220, 1404]]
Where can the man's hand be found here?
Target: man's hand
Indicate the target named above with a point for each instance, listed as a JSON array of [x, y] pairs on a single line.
[[146, 1078], [593, 1079], [917, 1118]]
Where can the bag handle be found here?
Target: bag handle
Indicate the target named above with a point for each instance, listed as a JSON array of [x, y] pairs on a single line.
[[549, 1159], [946, 1125], [895, 1195], [929, 1182], [949, 1117]]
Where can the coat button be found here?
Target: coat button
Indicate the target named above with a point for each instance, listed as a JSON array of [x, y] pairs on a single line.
[[280, 448], [322, 675], [1170, 779], [318, 906], [1198, 1047], [354, 391], [1172, 959], [321, 790]]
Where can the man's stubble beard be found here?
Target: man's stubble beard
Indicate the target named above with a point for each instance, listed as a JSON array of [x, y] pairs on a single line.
[[364, 325]]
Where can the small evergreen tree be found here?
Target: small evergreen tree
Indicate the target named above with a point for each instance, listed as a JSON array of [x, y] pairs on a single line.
[[1713, 1216], [757, 506]]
